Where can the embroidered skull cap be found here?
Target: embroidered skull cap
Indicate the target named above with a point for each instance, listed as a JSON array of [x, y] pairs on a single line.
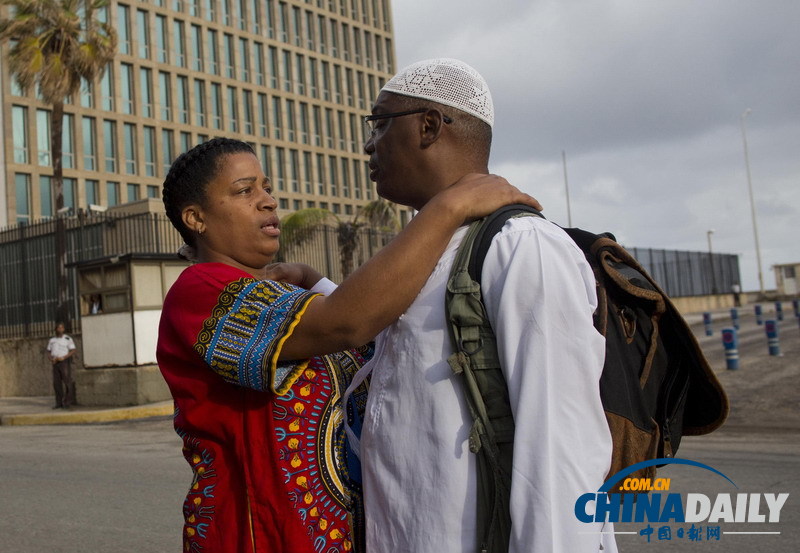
[[445, 81]]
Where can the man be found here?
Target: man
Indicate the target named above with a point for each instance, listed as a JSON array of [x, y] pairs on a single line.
[[432, 123], [60, 349]]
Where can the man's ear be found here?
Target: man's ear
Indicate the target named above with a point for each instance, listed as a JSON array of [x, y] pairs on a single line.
[[192, 217], [433, 122]]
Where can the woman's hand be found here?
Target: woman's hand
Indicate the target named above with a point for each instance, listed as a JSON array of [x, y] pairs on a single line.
[[476, 195], [298, 274]]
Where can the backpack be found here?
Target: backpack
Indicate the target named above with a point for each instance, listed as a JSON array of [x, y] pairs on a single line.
[[656, 384]]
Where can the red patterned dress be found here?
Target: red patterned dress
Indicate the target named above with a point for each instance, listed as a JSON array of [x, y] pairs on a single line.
[[265, 439]]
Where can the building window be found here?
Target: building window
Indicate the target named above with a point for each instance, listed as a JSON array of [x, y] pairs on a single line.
[[43, 136], [162, 39], [153, 191], [247, 108], [110, 145], [313, 81], [304, 122], [92, 192], [123, 29], [320, 175], [89, 144], [273, 67], [357, 177], [334, 181], [317, 126], [266, 161], [300, 73], [277, 117], [346, 178], [233, 110], [213, 52], [126, 84], [297, 29], [167, 149], [288, 83], [146, 91], [210, 9], [294, 159], [179, 33], [230, 57], [150, 151], [255, 16], [87, 94], [183, 99], [283, 23], [143, 28], [244, 54], [262, 114], [197, 48], [112, 193], [68, 141], [46, 196], [199, 103], [133, 192], [129, 139], [280, 160], [290, 127], [185, 142], [259, 64], [69, 188], [216, 105], [165, 95], [226, 12], [19, 122], [22, 184]]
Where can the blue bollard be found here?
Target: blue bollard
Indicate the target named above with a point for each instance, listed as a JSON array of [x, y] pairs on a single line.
[[731, 344], [707, 323], [759, 314], [796, 306], [772, 337], [735, 318], [779, 310]]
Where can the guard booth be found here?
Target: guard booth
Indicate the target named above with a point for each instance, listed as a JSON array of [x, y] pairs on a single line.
[[120, 302]]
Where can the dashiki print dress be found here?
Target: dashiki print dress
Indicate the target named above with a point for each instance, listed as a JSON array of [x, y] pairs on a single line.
[[264, 438]]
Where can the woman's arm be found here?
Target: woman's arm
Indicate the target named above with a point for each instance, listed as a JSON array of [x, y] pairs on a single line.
[[383, 288]]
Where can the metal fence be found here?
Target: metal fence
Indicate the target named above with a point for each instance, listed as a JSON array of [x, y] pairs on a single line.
[[683, 273], [28, 262]]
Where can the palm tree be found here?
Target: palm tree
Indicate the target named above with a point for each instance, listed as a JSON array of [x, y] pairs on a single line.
[[298, 228], [54, 44]]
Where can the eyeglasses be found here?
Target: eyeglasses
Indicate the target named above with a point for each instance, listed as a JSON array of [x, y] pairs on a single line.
[[370, 119]]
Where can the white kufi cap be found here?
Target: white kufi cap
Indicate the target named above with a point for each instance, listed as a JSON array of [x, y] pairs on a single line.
[[446, 81]]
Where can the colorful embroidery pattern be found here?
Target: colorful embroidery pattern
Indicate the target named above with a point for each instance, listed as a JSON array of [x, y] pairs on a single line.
[[238, 340], [309, 426], [198, 507]]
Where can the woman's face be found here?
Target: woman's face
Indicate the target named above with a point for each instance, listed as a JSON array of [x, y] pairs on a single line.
[[238, 223]]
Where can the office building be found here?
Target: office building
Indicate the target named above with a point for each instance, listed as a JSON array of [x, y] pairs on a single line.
[[291, 77]]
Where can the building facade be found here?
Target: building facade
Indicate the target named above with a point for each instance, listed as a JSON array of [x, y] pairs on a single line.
[[291, 77]]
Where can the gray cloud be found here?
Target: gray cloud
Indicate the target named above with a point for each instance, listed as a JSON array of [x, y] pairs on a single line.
[[646, 98]]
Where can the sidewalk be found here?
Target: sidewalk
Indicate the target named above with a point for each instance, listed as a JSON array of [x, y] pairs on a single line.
[[39, 410]]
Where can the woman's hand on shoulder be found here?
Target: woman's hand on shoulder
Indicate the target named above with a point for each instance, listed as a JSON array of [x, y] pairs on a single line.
[[298, 274], [476, 195]]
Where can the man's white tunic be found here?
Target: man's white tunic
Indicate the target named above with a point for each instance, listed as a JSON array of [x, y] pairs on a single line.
[[419, 475]]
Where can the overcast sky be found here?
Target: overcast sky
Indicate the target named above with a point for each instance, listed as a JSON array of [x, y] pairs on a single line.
[[646, 99]]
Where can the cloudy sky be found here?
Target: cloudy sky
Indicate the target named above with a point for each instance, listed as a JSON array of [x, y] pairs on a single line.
[[645, 97]]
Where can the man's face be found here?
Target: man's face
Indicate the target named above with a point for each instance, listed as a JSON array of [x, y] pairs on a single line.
[[393, 148], [59, 330]]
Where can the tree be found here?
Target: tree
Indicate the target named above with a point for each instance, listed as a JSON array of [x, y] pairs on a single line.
[[54, 45], [298, 228]]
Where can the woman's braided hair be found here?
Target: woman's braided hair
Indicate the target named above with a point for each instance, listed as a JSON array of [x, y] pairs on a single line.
[[189, 176]]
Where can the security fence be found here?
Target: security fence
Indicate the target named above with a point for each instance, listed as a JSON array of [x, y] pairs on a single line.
[[683, 273], [28, 261]]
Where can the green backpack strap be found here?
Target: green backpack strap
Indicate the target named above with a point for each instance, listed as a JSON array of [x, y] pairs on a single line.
[[476, 359]]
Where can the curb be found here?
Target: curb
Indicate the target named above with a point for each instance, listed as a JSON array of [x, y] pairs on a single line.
[[164, 408]]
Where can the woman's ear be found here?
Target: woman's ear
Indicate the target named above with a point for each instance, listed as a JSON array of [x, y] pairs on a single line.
[[192, 217]]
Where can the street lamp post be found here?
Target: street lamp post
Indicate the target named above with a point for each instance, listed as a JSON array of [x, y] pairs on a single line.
[[752, 202], [711, 262]]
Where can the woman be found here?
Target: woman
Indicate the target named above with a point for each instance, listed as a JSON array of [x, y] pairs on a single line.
[[257, 398]]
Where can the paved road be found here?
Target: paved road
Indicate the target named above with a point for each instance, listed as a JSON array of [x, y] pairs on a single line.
[[119, 487]]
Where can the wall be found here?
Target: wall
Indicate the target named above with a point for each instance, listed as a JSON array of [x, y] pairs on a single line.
[[25, 369]]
